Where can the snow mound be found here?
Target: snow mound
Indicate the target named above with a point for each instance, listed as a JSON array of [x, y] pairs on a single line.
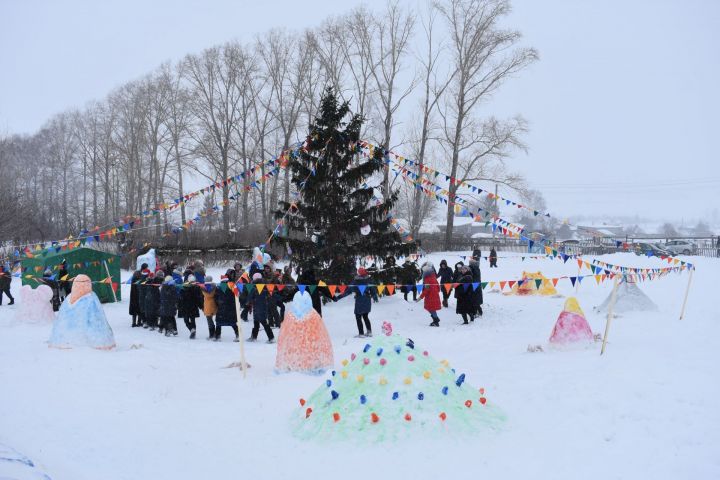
[[571, 326], [81, 321], [393, 390], [533, 283], [35, 305], [629, 299]]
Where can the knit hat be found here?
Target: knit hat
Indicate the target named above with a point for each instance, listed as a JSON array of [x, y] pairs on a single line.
[[160, 274], [362, 272], [191, 279], [208, 279], [257, 276], [169, 280]]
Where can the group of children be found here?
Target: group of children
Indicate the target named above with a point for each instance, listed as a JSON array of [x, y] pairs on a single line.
[[157, 298]]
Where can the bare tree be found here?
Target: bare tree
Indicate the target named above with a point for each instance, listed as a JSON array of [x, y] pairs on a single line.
[[484, 56], [216, 108], [394, 31]]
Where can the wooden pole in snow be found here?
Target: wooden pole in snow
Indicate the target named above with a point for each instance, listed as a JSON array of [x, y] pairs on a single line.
[[610, 312], [113, 290], [687, 291], [240, 333]]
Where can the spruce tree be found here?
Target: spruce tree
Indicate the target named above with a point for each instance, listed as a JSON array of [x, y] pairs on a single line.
[[336, 198]]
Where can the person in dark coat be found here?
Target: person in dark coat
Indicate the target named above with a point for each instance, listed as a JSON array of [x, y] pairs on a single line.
[[446, 276], [152, 300], [199, 271], [307, 277], [476, 278], [409, 275], [65, 285], [268, 278], [464, 296], [457, 273], [226, 314], [259, 302], [190, 303], [168, 306], [364, 295], [134, 307], [493, 258], [389, 273], [5, 281], [142, 293], [49, 280]]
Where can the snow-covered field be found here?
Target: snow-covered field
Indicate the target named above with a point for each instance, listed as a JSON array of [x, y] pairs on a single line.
[[161, 407]]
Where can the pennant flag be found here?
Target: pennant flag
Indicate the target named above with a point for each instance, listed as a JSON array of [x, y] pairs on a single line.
[[361, 289], [447, 287], [538, 282], [573, 280], [475, 285], [332, 289], [301, 288], [391, 289], [322, 284], [483, 285], [342, 288], [270, 287], [502, 285], [381, 288], [419, 287], [311, 288]]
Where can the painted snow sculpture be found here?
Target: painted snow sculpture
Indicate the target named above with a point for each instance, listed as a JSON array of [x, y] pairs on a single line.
[[533, 284], [149, 257], [81, 320], [629, 299], [35, 305], [304, 343], [571, 326], [390, 390], [260, 258]]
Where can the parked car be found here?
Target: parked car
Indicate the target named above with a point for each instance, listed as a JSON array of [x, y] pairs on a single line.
[[652, 248], [677, 247]]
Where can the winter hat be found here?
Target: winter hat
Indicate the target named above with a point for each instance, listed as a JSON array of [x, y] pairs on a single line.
[[191, 279], [208, 279], [160, 274], [48, 272], [362, 272], [169, 280], [427, 269], [257, 276]]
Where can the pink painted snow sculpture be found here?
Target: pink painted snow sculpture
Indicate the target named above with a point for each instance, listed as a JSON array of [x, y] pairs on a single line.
[[304, 343], [387, 328], [571, 325], [82, 285], [35, 305]]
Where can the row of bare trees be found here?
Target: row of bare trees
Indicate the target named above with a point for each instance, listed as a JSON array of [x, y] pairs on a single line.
[[420, 80]]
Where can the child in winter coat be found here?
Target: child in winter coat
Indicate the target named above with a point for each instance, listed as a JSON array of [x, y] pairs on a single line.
[[225, 300], [431, 293], [446, 276], [190, 303], [168, 306], [364, 293], [259, 301], [209, 290], [465, 296]]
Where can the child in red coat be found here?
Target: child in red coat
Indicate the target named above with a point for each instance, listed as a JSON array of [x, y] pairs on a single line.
[[431, 293]]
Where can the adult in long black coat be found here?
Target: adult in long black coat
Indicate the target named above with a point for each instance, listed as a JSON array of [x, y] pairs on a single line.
[[5, 281], [476, 277], [260, 308], [152, 300], [307, 277], [190, 303], [226, 315], [134, 307], [464, 296]]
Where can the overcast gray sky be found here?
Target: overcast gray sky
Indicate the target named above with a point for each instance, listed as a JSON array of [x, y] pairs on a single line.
[[623, 104]]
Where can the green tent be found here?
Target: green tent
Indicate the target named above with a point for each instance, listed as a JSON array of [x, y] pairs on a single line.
[[79, 261]]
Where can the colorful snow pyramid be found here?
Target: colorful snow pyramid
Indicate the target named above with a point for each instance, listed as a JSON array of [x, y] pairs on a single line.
[[391, 390], [35, 305], [571, 326], [533, 284], [304, 344], [81, 320], [629, 299]]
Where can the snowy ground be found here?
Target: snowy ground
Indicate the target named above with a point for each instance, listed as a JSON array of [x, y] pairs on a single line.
[[648, 408]]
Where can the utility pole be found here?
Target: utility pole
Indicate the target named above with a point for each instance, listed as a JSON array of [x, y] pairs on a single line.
[[495, 213]]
